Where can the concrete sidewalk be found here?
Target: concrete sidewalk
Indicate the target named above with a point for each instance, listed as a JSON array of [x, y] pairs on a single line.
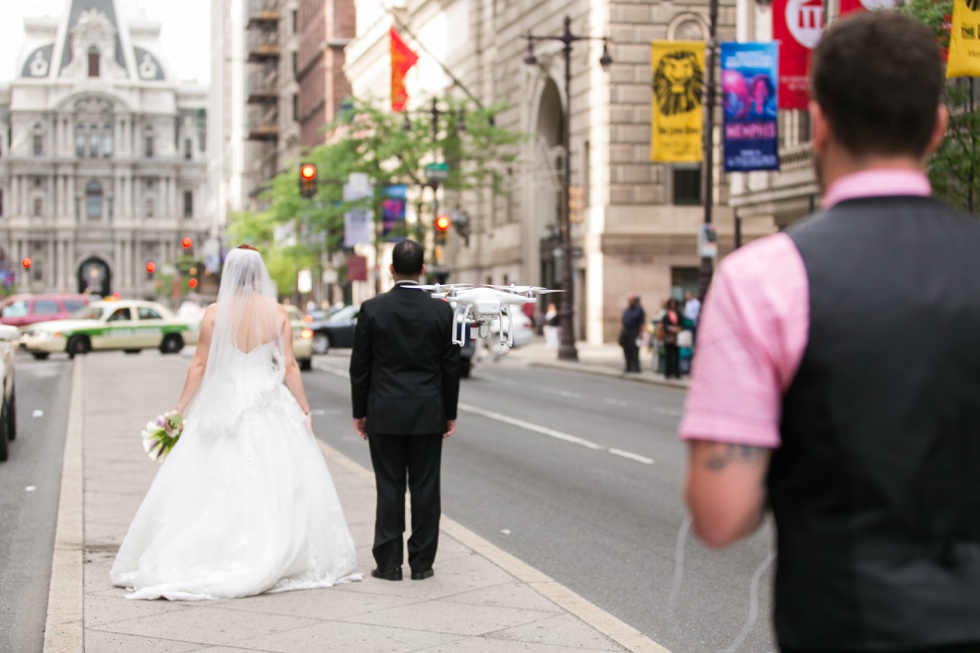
[[480, 600]]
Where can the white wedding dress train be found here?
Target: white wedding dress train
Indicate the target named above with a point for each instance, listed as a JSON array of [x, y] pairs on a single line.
[[244, 503]]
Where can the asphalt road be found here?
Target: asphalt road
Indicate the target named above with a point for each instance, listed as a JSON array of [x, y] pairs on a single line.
[[30, 482], [579, 476]]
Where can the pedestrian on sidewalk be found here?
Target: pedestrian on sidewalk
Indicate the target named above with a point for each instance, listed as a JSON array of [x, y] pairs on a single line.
[[806, 397], [634, 319], [244, 503], [404, 375], [671, 324], [551, 341]]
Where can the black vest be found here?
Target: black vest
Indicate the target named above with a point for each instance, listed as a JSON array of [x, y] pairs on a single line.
[[876, 487]]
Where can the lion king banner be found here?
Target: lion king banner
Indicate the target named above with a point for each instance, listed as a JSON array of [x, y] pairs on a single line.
[[678, 83], [964, 40]]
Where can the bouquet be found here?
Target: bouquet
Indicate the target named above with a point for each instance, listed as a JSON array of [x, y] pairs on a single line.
[[161, 434]]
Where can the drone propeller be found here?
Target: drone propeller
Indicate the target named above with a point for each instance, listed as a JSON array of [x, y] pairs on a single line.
[[520, 290]]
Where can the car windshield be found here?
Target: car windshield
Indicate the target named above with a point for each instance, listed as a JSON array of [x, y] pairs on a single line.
[[87, 313], [344, 315], [15, 309]]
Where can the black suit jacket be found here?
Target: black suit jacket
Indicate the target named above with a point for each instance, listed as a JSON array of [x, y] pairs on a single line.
[[404, 368]]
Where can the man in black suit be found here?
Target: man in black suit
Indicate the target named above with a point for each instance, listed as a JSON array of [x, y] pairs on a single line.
[[404, 375]]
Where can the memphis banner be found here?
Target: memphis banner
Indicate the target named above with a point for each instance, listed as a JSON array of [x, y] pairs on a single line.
[[749, 79], [678, 82]]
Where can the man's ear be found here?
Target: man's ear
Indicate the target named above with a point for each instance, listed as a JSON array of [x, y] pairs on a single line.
[[821, 129], [939, 131], [422, 271], [391, 268]]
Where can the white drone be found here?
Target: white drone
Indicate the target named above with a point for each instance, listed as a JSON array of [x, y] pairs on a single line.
[[484, 303]]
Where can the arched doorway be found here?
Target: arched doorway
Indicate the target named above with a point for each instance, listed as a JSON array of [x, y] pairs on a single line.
[[94, 277], [548, 165]]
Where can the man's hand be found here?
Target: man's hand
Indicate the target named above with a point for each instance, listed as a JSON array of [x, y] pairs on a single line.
[[360, 427], [450, 429]]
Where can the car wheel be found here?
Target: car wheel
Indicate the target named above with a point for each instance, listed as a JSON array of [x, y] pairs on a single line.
[[171, 344], [132, 351], [465, 365], [77, 345], [11, 418], [3, 436], [305, 364], [321, 343], [40, 355]]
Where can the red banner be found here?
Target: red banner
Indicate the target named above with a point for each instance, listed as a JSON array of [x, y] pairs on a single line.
[[847, 6], [356, 268], [797, 25], [402, 60]]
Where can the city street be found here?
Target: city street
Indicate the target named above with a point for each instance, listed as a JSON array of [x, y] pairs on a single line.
[[579, 476]]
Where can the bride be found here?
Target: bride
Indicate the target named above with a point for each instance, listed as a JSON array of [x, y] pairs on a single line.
[[244, 503]]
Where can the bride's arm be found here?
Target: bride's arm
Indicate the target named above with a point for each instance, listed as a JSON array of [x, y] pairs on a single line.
[[196, 371], [293, 378]]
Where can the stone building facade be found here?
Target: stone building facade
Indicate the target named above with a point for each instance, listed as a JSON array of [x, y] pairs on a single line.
[[102, 155], [640, 219]]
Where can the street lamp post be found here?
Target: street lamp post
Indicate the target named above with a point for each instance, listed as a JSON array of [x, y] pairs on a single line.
[[707, 265], [566, 349]]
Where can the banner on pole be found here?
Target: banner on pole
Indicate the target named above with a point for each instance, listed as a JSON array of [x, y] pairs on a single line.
[[393, 212], [678, 85], [964, 40], [797, 25], [402, 60], [749, 99]]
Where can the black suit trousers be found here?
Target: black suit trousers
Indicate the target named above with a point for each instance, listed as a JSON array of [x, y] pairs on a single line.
[[412, 461]]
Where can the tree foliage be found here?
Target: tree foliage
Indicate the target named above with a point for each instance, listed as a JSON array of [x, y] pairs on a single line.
[[954, 170], [293, 232]]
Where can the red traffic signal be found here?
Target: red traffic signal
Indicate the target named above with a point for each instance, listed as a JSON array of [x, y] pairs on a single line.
[[442, 223], [186, 242], [307, 180], [150, 267], [192, 283], [26, 262]]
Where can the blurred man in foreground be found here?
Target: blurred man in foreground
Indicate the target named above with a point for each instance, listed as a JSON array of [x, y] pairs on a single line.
[[837, 377]]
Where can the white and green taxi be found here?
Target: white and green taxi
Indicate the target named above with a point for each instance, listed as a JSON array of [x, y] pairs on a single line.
[[129, 325]]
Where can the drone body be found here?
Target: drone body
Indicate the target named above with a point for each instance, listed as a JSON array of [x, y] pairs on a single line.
[[482, 304]]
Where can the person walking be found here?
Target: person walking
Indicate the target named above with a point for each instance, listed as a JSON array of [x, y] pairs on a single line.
[[672, 325], [806, 397], [634, 319], [244, 504], [404, 376], [692, 308], [551, 341]]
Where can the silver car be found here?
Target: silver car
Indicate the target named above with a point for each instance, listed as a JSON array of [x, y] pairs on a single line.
[[9, 335]]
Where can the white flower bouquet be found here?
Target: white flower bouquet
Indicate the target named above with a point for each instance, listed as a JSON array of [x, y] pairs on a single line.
[[161, 434]]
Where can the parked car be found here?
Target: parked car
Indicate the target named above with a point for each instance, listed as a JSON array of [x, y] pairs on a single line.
[[523, 329], [302, 338], [9, 335], [337, 331], [129, 325], [24, 309]]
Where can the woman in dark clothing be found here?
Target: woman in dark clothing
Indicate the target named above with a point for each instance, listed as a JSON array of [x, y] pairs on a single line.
[[672, 324]]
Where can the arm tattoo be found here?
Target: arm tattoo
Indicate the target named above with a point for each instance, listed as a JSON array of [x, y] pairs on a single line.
[[722, 455]]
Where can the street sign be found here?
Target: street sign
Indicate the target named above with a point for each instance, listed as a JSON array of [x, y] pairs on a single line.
[[304, 281], [559, 252], [329, 276], [436, 171], [707, 241]]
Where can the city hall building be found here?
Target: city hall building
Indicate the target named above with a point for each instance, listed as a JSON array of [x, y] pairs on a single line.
[[102, 156]]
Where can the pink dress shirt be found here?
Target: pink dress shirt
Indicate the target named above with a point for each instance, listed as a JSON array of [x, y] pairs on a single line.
[[754, 326]]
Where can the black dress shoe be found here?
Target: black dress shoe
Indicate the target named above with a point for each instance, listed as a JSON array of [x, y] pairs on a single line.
[[422, 575], [391, 574]]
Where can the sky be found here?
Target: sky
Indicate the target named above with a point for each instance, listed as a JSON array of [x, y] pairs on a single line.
[[185, 32]]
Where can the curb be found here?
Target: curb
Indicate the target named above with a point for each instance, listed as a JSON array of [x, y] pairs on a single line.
[[594, 369]]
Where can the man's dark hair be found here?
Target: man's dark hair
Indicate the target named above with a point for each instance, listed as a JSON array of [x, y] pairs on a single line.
[[878, 79], [407, 258]]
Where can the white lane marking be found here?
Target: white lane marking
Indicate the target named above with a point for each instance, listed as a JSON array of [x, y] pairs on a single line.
[[30, 488], [558, 435], [568, 394], [615, 402]]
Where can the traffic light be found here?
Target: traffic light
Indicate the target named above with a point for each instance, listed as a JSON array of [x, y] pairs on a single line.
[[150, 267], [307, 180], [186, 242], [442, 229], [26, 262]]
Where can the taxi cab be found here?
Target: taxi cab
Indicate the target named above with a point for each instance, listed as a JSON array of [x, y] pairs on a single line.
[[129, 325], [302, 338]]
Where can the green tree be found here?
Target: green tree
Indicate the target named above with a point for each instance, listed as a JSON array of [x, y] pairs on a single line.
[[390, 149], [954, 170]]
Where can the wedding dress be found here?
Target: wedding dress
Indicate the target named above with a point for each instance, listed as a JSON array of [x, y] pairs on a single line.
[[244, 503]]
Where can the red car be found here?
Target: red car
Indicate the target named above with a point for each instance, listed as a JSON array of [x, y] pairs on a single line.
[[23, 310]]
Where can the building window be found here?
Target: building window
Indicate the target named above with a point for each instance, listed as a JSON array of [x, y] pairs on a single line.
[[38, 207], [188, 149], [93, 201], [295, 21], [149, 207], [37, 270], [295, 64], [188, 204], [1, 203], [80, 140], [295, 106], [687, 185], [38, 145], [149, 147], [93, 144], [93, 61], [107, 140]]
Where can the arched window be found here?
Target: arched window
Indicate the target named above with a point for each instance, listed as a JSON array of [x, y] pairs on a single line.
[[80, 140], [107, 140], [93, 61], [93, 200], [93, 141]]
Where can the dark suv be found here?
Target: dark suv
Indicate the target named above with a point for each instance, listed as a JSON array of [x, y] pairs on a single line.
[[26, 309]]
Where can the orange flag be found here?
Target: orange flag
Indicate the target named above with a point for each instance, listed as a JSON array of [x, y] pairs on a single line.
[[402, 60]]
